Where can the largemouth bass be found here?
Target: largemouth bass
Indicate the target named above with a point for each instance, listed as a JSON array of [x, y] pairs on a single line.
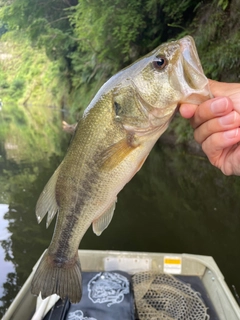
[[111, 142]]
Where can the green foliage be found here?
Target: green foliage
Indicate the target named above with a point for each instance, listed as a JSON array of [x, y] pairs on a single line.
[[17, 87], [27, 74], [90, 40], [28, 126], [3, 28], [4, 84], [45, 23], [110, 35], [180, 129], [217, 36], [223, 4], [119, 32], [107, 28], [3, 80]]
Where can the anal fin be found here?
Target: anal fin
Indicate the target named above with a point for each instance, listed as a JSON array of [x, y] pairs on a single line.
[[47, 200], [101, 223]]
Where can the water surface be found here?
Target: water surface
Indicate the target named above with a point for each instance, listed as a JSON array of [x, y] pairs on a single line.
[[177, 203]]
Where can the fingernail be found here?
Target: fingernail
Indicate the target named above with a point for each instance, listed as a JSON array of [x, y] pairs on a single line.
[[228, 119], [231, 133], [219, 105]]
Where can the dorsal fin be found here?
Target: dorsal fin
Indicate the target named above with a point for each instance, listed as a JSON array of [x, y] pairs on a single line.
[[47, 200], [101, 223]]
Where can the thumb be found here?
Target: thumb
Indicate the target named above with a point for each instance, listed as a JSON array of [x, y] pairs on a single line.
[[187, 110]]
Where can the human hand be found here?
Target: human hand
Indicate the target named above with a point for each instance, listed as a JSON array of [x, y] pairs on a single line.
[[216, 125]]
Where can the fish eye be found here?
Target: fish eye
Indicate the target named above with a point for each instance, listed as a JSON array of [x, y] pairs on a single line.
[[159, 63]]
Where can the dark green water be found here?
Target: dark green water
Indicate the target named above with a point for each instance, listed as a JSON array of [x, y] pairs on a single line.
[[177, 203]]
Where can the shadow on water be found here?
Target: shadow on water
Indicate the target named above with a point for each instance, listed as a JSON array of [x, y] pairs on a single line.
[[177, 203]]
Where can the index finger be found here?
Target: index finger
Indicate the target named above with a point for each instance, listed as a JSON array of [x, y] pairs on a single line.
[[210, 109]]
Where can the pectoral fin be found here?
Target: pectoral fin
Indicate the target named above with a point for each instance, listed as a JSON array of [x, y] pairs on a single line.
[[100, 224], [117, 152], [70, 128], [47, 200]]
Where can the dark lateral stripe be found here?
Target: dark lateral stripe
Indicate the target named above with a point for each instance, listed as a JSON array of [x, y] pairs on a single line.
[[83, 196]]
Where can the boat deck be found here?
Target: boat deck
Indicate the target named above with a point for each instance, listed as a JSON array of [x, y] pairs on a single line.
[[201, 272]]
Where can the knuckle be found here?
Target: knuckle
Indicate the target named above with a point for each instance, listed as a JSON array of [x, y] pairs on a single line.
[[205, 147], [197, 136], [237, 117], [210, 152], [209, 127]]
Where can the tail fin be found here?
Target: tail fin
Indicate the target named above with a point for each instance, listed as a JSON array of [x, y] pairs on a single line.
[[65, 281]]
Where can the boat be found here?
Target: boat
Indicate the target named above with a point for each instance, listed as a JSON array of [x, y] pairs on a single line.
[[193, 271]]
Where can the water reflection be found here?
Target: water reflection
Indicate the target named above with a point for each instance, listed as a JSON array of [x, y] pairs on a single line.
[[177, 203], [6, 266], [31, 146]]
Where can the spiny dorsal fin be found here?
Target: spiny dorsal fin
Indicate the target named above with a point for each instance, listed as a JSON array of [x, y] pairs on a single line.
[[103, 221], [47, 200]]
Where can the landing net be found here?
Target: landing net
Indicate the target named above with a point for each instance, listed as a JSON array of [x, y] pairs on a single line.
[[161, 296]]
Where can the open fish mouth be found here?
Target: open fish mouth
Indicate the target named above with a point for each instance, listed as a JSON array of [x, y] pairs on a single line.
[[188, 76]]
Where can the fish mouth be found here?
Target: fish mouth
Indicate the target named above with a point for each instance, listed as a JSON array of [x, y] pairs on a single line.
[[188, 76]]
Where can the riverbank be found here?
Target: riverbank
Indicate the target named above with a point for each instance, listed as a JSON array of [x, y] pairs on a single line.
[[27, 75]]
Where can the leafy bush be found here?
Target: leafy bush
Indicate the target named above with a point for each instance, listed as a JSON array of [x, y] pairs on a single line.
[[4, 84], [18, 84], [92, 39]]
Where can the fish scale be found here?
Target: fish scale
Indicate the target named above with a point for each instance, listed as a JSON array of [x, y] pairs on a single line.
[[111, 142]]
